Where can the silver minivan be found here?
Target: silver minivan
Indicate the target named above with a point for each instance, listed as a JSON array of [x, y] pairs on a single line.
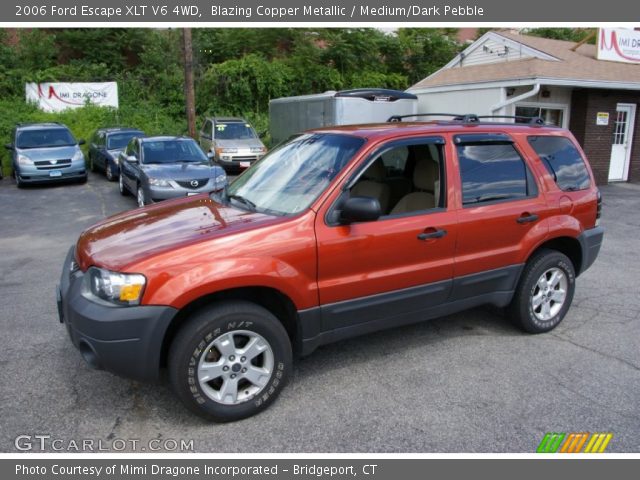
[[234, 143], [45, 153]]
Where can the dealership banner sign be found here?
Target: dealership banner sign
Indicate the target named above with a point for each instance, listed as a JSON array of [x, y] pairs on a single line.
[[55, 97], [619, 45]]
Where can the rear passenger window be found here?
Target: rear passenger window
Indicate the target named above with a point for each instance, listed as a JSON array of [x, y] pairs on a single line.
[[563, 161], [493, 171]]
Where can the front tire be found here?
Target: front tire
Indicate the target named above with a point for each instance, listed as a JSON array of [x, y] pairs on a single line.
[[121, 186], [109, 172], [142, 201], [230, 361], [544, 293]]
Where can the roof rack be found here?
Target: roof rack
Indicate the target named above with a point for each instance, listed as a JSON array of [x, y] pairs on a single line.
[[470, 118]]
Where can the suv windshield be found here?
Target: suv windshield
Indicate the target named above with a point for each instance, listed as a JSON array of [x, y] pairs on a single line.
[[291, 177], [118, 141], [49, 137], [234, 131], [172, 151]]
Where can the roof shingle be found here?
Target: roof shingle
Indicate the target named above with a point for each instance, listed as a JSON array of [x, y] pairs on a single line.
[[579, 65]]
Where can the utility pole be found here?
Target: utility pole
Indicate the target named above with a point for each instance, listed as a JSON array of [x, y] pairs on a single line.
[[189, 94]]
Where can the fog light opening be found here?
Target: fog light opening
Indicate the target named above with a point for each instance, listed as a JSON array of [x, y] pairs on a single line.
[[89, 355]]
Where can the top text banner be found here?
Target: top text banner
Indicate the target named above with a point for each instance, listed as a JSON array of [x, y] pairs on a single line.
[[312, 11]]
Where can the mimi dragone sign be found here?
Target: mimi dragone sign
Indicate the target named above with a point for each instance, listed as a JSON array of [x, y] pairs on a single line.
[[55, 97]]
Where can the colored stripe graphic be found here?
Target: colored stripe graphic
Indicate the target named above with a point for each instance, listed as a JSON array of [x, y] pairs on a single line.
[[550, 443], [574, 442], [598, 443], [554, 442]]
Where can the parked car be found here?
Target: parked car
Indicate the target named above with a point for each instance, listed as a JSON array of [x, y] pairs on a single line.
[[233, 142], [158, 168], [106, 146], [44, 153], [338, 232]]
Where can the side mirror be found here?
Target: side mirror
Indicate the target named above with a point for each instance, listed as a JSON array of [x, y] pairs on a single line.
[[81, 141], [210, 155], [131, 159], [360, 209], [8, 146]]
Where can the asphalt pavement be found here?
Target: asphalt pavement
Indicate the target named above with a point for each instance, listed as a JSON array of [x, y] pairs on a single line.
[[464, 383]]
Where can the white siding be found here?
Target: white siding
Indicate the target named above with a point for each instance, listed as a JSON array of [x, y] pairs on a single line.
[[470, 100], [491, 51]]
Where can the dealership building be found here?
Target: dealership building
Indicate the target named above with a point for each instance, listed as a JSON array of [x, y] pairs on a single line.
[[593, 90]]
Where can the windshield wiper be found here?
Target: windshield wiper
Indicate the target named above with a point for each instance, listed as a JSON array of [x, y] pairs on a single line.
[[243, 200]]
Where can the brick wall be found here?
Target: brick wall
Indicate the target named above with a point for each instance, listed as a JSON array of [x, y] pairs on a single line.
[[596, 139]]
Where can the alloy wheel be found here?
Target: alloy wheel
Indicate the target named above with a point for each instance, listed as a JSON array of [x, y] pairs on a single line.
[[235, 367]]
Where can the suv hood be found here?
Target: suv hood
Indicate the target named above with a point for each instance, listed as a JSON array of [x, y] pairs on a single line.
[[182, 171], [50, 153], [125, 239], [244, 143]]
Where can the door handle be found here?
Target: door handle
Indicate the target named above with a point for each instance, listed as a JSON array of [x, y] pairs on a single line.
[[527, 218], [434, 234]]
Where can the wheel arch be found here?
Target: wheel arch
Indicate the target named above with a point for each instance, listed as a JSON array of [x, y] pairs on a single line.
[[566, 245], [273, 300]]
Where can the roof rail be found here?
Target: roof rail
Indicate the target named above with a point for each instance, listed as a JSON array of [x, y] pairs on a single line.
[[471, 117], [468, 118]]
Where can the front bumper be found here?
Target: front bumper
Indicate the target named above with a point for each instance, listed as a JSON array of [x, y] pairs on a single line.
[[590, 243], [238, 162], [157, 194], [124, 340], [44, 177]]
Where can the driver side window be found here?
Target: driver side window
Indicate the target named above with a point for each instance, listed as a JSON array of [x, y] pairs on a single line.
[[404, 179]]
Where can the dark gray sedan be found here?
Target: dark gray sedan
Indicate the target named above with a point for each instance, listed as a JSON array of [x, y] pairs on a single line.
[[105, 148], [159, 168]]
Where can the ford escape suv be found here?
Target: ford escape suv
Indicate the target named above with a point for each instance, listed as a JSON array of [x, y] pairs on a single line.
[[338, 232], [45, 153]]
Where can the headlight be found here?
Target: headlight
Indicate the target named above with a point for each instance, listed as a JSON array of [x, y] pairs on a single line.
[[222, 150], [78, 156], [221, 178], [258, 149], [24, 161], [159, 182], [116, 288]]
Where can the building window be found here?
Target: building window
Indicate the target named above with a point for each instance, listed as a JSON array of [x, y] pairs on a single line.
[[620, 130], [551, 116]]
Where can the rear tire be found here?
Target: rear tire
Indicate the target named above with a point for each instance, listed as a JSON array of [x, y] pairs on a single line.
[[230, 361], [544, 293]]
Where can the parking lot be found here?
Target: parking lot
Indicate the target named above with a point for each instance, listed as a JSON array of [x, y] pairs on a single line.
[[465, 383]]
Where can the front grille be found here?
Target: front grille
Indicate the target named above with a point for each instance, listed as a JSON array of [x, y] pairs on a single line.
[[50, 165], [245, 158], [201, 182]]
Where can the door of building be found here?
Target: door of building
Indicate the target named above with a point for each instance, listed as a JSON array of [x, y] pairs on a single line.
[[621, 145]]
